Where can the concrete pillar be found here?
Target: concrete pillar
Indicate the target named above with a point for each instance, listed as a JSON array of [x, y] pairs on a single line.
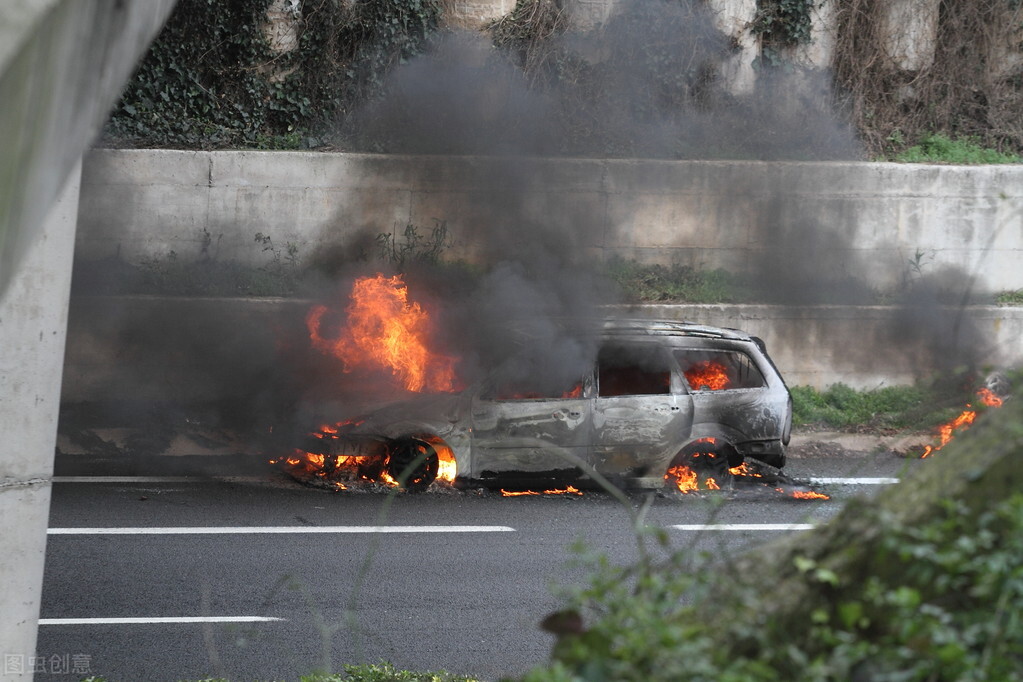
[[63, 64], [33, 324]]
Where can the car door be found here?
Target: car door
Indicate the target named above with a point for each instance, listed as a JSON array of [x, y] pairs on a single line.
[[731, 396], [642, 414], [532, 433]]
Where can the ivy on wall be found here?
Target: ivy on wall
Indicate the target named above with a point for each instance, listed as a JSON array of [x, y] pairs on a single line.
[[213, 80], [782, 25]]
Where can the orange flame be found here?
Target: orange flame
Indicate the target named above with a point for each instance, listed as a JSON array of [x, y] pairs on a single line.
[[711, 374], [988, 397], [687, 480], [806, 495], [570, 490], [370, 465], [385, 331], [965, 419], [744, 470], [447, 467]]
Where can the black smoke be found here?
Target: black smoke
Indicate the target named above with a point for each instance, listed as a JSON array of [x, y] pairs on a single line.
[[645, 84]]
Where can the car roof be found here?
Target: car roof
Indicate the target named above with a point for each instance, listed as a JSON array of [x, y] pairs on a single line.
[[646, 327]]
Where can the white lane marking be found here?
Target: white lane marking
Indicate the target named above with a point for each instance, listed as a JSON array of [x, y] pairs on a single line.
[[175, 619], [743, 526], [152, 479], [229, 530], [853, 481]]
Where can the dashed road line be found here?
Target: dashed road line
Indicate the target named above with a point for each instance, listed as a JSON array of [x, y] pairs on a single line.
[[853, 481], [171, 619], [742, 526], [238, 530], [153, 479]]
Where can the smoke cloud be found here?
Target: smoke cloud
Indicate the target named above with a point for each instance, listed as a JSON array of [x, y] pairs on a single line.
[[645, 84]]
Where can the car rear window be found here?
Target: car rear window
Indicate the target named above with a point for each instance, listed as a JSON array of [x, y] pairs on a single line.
[[718, 370]]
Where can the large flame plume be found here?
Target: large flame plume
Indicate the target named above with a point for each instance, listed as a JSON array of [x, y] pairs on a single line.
[[384, 331]]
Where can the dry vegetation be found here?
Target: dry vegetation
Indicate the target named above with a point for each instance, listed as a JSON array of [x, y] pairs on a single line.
[[971, 87]]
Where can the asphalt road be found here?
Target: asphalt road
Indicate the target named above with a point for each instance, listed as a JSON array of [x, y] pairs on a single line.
[[307, 578]]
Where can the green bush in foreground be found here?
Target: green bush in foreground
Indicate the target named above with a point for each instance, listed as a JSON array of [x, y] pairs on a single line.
[[943, 601]]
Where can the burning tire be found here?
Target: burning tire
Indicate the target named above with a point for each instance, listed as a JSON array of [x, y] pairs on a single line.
[[702, 465], [413, 463]]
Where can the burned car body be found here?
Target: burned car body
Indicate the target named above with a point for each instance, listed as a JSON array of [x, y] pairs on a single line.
[[659, 394]]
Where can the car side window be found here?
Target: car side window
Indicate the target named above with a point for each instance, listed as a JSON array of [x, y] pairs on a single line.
[[718, 370], [521, 392], [632, 370]]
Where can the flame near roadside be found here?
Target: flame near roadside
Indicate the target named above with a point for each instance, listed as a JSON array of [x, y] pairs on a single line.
[[962, 421], [569, 490]]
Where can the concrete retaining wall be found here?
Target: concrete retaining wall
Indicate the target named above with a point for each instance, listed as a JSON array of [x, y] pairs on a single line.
[[871, 219]]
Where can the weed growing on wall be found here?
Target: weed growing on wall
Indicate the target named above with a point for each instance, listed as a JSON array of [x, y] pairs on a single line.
[[675, 283], [415, 246], [939, 148]]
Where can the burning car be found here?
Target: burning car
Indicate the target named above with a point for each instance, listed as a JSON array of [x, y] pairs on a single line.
[[655, 400]]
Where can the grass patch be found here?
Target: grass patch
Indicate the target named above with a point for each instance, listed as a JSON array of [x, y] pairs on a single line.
[[939, 148], [1010, 297], [881, 409], [675, 283]]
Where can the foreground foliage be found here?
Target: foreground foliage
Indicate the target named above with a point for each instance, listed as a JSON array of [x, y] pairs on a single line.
[[923, 584], [944, 604]]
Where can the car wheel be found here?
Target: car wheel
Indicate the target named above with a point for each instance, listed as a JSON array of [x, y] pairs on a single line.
[[413, 463], [702, 465]]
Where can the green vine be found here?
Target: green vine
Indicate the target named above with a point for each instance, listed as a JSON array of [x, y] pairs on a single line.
[[213, 80], [782, 25]]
